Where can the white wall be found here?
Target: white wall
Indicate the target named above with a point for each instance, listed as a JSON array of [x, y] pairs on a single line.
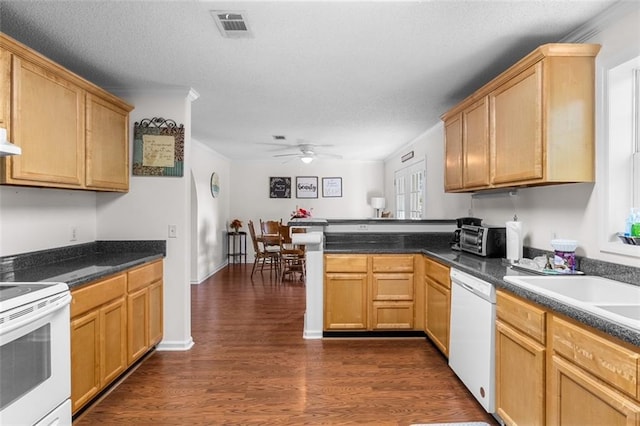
[[430, 147], [209, 215], [564, 211], [154, 203], [250, 189], [34, 219]]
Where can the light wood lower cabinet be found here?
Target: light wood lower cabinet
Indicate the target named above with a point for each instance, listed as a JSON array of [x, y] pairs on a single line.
[[520, 364], [368, 292], [112, 327], [144, 309], [520, 361], [592, 379], [345, 301], [553, 370], [437, 304], [98, 338], [577, 398]]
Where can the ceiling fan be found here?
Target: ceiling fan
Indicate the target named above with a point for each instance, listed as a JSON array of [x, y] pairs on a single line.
[[308, 152]]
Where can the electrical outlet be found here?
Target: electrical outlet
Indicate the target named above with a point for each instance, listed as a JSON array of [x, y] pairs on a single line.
[[362, 227], [74, 234], [173, 233]]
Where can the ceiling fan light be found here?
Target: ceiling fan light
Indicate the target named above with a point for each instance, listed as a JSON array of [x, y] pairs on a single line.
[[306, 159]]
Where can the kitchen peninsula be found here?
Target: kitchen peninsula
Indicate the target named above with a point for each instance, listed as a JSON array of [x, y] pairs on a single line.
[[430, 238]]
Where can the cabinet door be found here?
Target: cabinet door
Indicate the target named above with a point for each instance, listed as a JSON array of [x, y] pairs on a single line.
[[113, 329], [5, 89], [453, 153], [155, 313], [48, 124], [345, 301], [520, 370], [438, 315], [137, 323], [476, 145], [85, 359], [107, 145], [516, 128], [576, 398]]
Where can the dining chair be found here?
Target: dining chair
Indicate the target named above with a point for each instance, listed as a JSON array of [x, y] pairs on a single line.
[[270, 227], [292, 256], [264, 256]]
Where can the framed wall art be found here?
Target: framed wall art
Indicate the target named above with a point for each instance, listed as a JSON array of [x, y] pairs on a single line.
[[306, 186], [279, 187], [158, 148], [331, 187]]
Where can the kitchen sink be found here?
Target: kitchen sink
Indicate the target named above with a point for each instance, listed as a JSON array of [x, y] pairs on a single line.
[[614, 300], [628, 311]]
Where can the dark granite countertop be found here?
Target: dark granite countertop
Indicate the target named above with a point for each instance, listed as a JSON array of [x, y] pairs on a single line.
[[79, 264], [492, 270]]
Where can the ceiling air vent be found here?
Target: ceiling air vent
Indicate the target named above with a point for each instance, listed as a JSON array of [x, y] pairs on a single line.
[[232, 24]]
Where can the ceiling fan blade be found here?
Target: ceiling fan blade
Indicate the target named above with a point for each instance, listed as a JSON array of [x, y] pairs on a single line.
[[287, 155], [325, 155]]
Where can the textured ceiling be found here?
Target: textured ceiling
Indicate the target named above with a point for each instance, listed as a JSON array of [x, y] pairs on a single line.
[[366, 77]]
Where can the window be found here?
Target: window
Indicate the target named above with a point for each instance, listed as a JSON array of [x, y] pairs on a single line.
[[622, 152], [409, 188]]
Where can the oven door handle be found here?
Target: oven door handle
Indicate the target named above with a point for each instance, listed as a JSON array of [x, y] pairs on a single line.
[[27, 319]]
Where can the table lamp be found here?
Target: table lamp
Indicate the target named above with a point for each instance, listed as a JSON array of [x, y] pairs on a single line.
[[377, 203]]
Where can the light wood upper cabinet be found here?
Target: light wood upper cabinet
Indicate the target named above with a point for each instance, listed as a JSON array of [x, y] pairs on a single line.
[[72, 133], [5, 90], [516, 133], [475, 136], [540, 116], [453, 153], [47, 123], [107, 147]]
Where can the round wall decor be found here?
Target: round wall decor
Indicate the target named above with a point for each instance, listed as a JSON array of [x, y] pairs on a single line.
[[215, 184]]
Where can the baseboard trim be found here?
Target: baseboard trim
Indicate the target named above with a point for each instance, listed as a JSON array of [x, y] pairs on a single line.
[[175, 345]]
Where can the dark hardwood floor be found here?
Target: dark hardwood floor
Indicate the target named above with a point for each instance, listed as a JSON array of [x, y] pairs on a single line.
[[250, 365]]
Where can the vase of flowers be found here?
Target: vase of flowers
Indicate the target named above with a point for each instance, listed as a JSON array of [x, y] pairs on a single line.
[[236, 224], [300, 213]]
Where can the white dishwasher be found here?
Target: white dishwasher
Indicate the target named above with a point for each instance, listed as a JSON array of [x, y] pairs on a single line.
[[472, 338]]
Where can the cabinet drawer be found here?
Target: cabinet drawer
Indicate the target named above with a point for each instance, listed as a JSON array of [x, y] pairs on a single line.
[[600, 357], [345, 263], [145, 275], [393, 286], [91, 296], [438, 272], [521, 315], [392, 316], [390, 263]]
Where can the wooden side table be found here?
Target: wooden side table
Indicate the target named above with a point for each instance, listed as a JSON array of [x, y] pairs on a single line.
[[236, 247]]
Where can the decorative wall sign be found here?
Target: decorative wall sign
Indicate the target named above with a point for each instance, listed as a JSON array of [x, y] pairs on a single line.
[[306, 186], [279, 187], [158, 148], [215, 185], [331, 187]]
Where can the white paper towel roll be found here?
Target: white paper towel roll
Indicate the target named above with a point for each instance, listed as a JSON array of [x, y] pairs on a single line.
[[514, 240]]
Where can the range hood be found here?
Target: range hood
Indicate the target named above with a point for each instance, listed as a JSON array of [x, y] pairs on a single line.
[[6, 147]]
